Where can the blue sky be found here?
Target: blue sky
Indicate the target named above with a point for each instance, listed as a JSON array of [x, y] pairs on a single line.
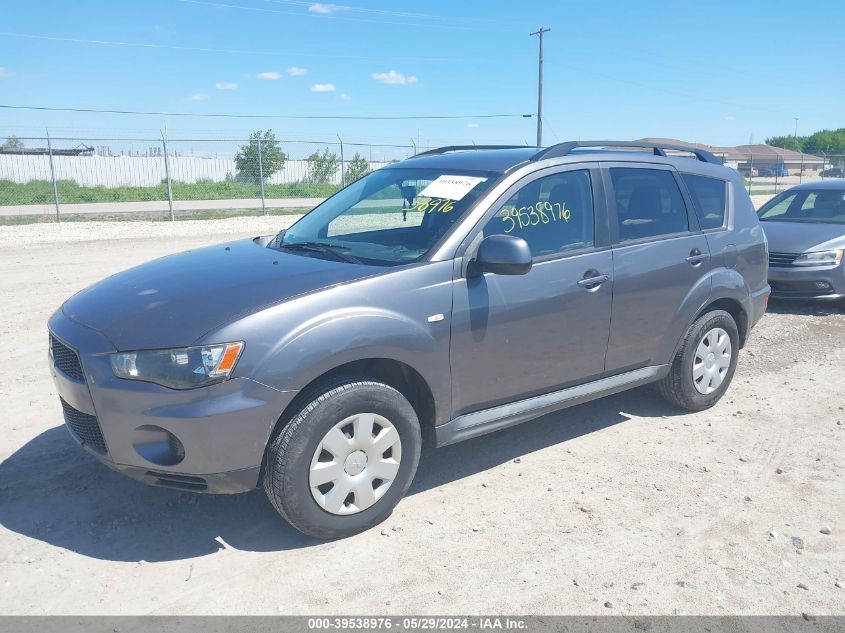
[[715, 72]]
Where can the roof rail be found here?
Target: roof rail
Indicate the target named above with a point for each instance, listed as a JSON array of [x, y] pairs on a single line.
[[457, 148], [564, 149]]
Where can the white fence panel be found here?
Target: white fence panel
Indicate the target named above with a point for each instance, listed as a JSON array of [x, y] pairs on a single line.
[[140, 171]]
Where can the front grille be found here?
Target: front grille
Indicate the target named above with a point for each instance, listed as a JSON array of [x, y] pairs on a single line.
[[85, 427], [66, 359], [782, 259]]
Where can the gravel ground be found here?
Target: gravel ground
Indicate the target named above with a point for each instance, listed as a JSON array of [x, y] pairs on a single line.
[[206, 231], [112, 208], [624, 505]]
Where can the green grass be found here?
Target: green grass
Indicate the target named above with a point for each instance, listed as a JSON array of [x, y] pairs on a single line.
[[41, 192], [147, 216]]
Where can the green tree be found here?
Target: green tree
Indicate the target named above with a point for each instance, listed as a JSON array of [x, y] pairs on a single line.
[[826, 141], [787, 142], [357, 168], [272, 157], [821, 142], [322, 167], [13, 142]]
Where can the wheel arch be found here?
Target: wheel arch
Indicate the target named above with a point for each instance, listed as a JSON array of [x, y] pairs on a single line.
[[733, 307], [394, 373]]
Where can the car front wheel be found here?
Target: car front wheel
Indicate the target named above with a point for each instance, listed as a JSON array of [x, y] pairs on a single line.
[[344, 460]]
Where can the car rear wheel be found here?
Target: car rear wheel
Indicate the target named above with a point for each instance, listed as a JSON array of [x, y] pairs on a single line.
[[344, 460], [705, 364]]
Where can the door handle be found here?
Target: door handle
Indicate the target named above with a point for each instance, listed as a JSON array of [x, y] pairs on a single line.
[[593, 282], [696, 257]]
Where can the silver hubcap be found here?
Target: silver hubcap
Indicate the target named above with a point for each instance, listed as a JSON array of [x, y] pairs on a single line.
[[712, 360], [355, 463]]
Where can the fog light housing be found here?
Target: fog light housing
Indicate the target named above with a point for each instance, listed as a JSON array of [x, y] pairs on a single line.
[[157, 445], [822, 285]]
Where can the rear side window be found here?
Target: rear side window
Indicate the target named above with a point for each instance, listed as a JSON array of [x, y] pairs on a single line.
[[709, 199], [648, 203]]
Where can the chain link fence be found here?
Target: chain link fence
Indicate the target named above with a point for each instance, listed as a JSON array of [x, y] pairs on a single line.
[[53, 179], [772, 170]]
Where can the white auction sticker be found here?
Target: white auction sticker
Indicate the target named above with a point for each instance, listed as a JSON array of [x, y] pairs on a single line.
[[450, 187]]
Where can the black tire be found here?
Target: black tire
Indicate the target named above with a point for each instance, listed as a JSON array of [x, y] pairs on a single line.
[[678, 387], [286, 476]]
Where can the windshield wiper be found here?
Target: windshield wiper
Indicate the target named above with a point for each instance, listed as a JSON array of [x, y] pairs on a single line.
[[333, 250]]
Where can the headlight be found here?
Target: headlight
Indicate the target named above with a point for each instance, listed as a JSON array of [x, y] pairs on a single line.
[[820, 258], [182, 368]]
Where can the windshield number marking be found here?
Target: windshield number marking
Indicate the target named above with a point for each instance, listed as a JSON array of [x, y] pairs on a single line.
[[431, 205]]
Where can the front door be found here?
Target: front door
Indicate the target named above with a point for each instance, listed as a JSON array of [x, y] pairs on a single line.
[[514, 336]]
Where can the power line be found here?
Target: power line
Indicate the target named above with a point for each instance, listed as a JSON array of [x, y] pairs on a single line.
[[205, 140], [222, 5], [270, 116], [399, 14], [202, 49]]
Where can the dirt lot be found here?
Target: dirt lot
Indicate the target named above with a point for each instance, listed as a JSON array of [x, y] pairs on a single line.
[[619, 506]]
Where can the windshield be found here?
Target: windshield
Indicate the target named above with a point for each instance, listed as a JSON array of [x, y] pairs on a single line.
[[806, 205], [389, 217]]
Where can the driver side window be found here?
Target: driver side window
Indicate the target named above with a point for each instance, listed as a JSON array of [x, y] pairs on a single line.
[[552, 214]]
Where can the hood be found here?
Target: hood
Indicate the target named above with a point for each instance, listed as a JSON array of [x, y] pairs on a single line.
[[799, 237], [171, 302]]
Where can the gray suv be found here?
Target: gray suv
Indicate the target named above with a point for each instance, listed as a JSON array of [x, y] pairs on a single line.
[[456, 293]]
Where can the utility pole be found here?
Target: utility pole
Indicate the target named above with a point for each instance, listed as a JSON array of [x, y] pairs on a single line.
[[796, 127], [539, 33]]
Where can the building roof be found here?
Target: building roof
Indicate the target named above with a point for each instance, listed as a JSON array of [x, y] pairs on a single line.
[[743, 152], [761, 149]]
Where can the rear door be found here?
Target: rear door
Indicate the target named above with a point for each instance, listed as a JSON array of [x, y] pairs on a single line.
[[661, 264]]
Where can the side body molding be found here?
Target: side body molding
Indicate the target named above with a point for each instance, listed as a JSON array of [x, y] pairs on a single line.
[[478, 423]]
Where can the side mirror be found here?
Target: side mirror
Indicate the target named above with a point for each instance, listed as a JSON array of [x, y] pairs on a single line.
[[502, 255]]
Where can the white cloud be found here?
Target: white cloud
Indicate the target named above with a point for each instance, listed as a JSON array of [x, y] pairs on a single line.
[[200, 96], [319, 7], [345, 97], [472, 124], [323, 88], [5, 73], [729, 117], [394, 78], [296, 71], [226, 85], [270, 75]]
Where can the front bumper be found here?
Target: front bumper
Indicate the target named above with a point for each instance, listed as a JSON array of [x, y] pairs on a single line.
[[807, 282], [220, 431]]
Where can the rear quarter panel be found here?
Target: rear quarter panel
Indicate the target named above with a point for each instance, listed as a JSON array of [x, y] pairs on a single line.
[[741, 263]]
